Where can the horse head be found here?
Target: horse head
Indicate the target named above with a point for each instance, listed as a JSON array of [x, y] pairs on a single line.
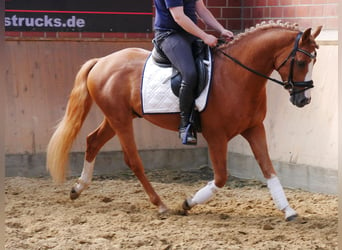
[[296, 69]]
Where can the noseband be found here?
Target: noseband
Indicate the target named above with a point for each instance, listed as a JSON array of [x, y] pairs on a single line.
[[290, 84]]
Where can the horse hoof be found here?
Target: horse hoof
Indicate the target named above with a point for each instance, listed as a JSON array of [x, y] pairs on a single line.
[[73, 194], [291, 218], [162, 209], [186, 205], [290, 214]]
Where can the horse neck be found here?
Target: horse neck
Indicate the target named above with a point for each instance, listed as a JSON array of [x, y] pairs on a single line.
[[259, 49]]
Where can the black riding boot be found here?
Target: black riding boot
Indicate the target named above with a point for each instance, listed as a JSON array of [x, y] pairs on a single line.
[[186, 101]]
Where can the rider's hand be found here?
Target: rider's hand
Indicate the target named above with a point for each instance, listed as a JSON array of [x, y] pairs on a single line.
[[210, 40], [227, 34]]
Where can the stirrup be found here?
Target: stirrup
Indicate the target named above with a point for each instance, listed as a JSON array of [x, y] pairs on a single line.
[[187, 136]]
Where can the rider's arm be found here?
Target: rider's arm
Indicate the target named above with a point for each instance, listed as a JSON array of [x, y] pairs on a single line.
[[188, 25], [208, 18]]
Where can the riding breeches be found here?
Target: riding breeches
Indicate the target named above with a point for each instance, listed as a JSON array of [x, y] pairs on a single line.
[[177, 46]]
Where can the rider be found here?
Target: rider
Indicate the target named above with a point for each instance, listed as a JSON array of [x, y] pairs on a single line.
[[175, 30]]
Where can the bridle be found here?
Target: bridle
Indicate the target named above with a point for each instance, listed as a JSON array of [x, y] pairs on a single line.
[[292, 86]]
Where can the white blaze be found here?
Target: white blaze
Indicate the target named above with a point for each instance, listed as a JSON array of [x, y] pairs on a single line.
[[308, 77]]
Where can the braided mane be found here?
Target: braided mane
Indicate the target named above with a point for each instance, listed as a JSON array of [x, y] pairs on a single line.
[[263, 26]]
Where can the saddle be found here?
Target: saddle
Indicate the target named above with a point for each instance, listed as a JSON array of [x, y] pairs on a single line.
[[202, 56]]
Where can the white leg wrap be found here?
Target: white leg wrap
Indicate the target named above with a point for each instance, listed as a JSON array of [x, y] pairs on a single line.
[[204, 194], [277, 193], [86, 176]]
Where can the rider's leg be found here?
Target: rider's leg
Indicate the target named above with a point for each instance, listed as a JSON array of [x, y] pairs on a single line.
[[178, 48], [186, 100]]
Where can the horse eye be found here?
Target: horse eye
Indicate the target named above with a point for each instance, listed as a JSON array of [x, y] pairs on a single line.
[[301, 64]]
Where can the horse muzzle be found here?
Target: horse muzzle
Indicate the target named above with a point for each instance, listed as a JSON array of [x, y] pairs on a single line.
[[300, 92], [300, 100]]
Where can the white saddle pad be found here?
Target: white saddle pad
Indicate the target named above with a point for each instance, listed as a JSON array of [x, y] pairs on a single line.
[[156, 93]]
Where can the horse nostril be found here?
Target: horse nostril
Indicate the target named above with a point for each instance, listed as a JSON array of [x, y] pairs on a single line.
[[304, 102]]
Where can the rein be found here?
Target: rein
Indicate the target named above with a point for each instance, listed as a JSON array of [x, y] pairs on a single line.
[[289, 84]]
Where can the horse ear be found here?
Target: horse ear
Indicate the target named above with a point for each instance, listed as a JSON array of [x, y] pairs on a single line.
[[306, 35], [317, 31]]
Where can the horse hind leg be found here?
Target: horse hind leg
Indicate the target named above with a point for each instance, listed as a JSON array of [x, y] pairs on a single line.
[[133, 160], [95, 141], [257, 139]]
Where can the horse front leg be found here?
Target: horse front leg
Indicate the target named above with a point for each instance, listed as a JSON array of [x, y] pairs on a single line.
[[218, 155], [95, 141], [256, 137]]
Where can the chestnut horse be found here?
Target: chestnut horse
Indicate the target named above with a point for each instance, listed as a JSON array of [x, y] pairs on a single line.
[[236, 105]]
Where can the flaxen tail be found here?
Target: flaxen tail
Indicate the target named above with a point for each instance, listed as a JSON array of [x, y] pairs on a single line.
[[77, 109]]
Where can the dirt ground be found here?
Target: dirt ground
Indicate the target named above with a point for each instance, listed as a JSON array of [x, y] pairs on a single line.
[[115, 213]]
